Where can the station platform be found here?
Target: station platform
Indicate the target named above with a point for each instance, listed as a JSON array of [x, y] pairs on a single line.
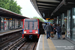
[[9, 31], [54, 44]]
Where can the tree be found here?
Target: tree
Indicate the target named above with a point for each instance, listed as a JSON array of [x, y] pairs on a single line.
[[41, 19], [50, 21], [10, 5]]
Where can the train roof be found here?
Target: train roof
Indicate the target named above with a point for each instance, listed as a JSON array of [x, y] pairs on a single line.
[[34, 18]]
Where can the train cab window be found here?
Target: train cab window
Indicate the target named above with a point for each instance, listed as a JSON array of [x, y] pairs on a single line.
[[31, 24], [35, 24], [28, 25]]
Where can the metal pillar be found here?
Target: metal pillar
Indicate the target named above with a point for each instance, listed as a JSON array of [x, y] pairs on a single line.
[[62, 19], [57, 20], [67, 22], [0, 23], [71, 22]]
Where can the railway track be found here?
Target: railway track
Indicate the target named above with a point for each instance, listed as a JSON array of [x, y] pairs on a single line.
[[27, 46], [14, 44], [7, 42]]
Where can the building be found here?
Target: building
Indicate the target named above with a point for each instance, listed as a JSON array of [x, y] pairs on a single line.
[[10, 20], [62, 10]]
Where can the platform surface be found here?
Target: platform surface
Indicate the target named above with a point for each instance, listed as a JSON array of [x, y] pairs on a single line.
[[9, 31], [54, 44]]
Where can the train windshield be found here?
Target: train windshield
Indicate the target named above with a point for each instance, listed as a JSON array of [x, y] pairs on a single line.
[[31, 24]]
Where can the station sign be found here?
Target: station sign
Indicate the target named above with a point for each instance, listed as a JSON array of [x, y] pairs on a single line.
[[10, 19], [7, 19], [48, 19]]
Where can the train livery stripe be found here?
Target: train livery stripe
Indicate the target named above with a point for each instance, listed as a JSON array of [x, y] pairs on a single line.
[[22, 31]]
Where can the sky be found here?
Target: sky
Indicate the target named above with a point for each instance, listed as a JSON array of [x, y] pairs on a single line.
[[27, 8]]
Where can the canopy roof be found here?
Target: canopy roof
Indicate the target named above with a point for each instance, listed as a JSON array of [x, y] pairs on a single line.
[[52, 8], [6, 13]]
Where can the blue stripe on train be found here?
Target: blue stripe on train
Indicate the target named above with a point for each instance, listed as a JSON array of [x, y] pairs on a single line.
[[22, 31], [38, 31]]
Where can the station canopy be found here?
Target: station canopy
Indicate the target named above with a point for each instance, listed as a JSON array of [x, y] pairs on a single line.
[[6, 13], [52, 8]]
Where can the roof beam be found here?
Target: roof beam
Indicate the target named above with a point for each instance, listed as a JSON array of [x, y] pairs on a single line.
[[47, 2], [58, 7], [58, 0], [46, 8], [64, 9], [46, 5], [68, 0]]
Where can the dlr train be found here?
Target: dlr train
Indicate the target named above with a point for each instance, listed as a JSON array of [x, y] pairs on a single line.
[[32, 28]]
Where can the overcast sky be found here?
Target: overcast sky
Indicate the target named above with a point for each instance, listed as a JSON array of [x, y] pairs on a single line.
[[27, 8]]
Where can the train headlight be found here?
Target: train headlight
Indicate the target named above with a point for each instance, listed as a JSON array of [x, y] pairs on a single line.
[[25, 32], [36, 31]]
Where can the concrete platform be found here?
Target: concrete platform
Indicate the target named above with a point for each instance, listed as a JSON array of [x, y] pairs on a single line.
[[9, 31], [54, 44]]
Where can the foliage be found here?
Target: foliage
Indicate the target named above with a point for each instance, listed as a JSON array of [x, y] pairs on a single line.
[[41, 19], [10, 5], [50, 21]]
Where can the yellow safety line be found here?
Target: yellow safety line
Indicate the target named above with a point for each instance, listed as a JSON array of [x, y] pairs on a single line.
[[43, 42], [51, 45]]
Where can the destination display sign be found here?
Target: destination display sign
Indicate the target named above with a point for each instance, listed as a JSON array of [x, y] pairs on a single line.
[[30, 20]]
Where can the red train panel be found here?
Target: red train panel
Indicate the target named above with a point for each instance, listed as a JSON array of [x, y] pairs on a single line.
[[30, 27]]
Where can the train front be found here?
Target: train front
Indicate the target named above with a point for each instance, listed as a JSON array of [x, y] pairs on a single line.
[[30, 28]]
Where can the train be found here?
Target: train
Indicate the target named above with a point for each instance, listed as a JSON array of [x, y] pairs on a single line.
[[32, 28]]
